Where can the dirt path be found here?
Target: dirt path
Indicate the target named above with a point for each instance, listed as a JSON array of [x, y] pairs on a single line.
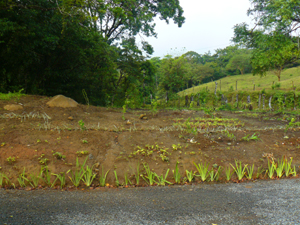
[[262, 202]]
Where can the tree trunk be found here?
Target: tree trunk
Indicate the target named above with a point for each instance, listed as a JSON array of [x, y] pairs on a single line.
[[278, 73]]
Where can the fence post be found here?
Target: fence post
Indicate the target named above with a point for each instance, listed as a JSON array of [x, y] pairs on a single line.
[[236, 86], [259, 101], [264, 99], [237, 100], [216, 88], [270, 100]]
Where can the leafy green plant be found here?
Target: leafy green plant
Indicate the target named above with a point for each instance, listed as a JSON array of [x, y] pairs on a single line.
[[214, 175], [190, 175], [228, 173], [239, 170], [249, 173], [176, 174], [271, 169], [202, 170], [260, 170], [154, 104], [229, 135], [117, 180], [176, 147], [84, 141], [288, 167], [127, 180], [137, 174], [252, 137], [34, 179], [150, 175], [81, 124], [11, 160], [279, 168], [22, 179], [88, 176], [76, 176], [61, 177], [42, 160], [59, 155], [162, 180], [46, 175], [2, 178], [102, 178]]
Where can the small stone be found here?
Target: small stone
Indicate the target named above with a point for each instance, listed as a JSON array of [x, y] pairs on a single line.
[[13, 107], [70, 118], [128, 122], [91, 156], [142, 115], [145, 118], [97, 165]]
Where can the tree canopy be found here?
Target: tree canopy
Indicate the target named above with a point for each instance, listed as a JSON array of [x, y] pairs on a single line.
[[61, 47], [274, 46]]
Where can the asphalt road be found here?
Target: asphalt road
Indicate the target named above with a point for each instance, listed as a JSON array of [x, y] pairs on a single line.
[[262, 202]]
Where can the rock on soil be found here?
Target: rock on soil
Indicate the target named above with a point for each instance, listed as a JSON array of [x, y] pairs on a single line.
[[62, 101], [13, 107]]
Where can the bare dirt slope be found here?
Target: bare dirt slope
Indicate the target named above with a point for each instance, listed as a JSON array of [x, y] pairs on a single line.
[[38, 134]]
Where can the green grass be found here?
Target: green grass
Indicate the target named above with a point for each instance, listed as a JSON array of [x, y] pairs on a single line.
[[9, 96], [246, 81]]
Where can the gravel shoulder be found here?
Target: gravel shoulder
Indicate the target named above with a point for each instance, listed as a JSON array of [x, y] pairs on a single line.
[[261, 202]]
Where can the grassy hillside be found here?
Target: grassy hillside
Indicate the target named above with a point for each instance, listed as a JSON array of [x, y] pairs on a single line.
[[246, 82]]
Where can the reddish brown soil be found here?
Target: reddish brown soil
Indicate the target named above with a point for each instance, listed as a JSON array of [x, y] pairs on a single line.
[[109, 140]]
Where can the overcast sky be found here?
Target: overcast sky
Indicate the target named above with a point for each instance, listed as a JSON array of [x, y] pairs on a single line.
[[208, 26]]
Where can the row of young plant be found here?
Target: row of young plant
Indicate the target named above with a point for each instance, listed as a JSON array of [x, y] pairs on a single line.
[[86, 175], [281, 100]]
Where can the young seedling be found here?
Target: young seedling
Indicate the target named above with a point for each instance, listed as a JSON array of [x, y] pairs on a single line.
[[249, 173], [127, 180], [271, 169], [288, 167], [22, 179], [11, 160], [61, 177], [76, 177], [279, 168], [176, 174], [260, 170], [239, 170], [137, 174], [202, 170], [81, 124], [215, 175], [59, 155], [2, 177], [102, 177], [228, 173], [190, 175], [150, 175], [34, 179], [47, 175], [88, 176], [162, 180], [117, 180]]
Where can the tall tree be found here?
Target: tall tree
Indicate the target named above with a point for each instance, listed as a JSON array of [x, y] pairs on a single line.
[[271, 38]]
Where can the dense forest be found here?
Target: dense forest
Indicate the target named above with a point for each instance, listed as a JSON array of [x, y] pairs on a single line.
[[90, 48]]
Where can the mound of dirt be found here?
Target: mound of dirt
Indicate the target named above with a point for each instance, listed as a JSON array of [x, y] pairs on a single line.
[[13, 107], [62, 101]]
